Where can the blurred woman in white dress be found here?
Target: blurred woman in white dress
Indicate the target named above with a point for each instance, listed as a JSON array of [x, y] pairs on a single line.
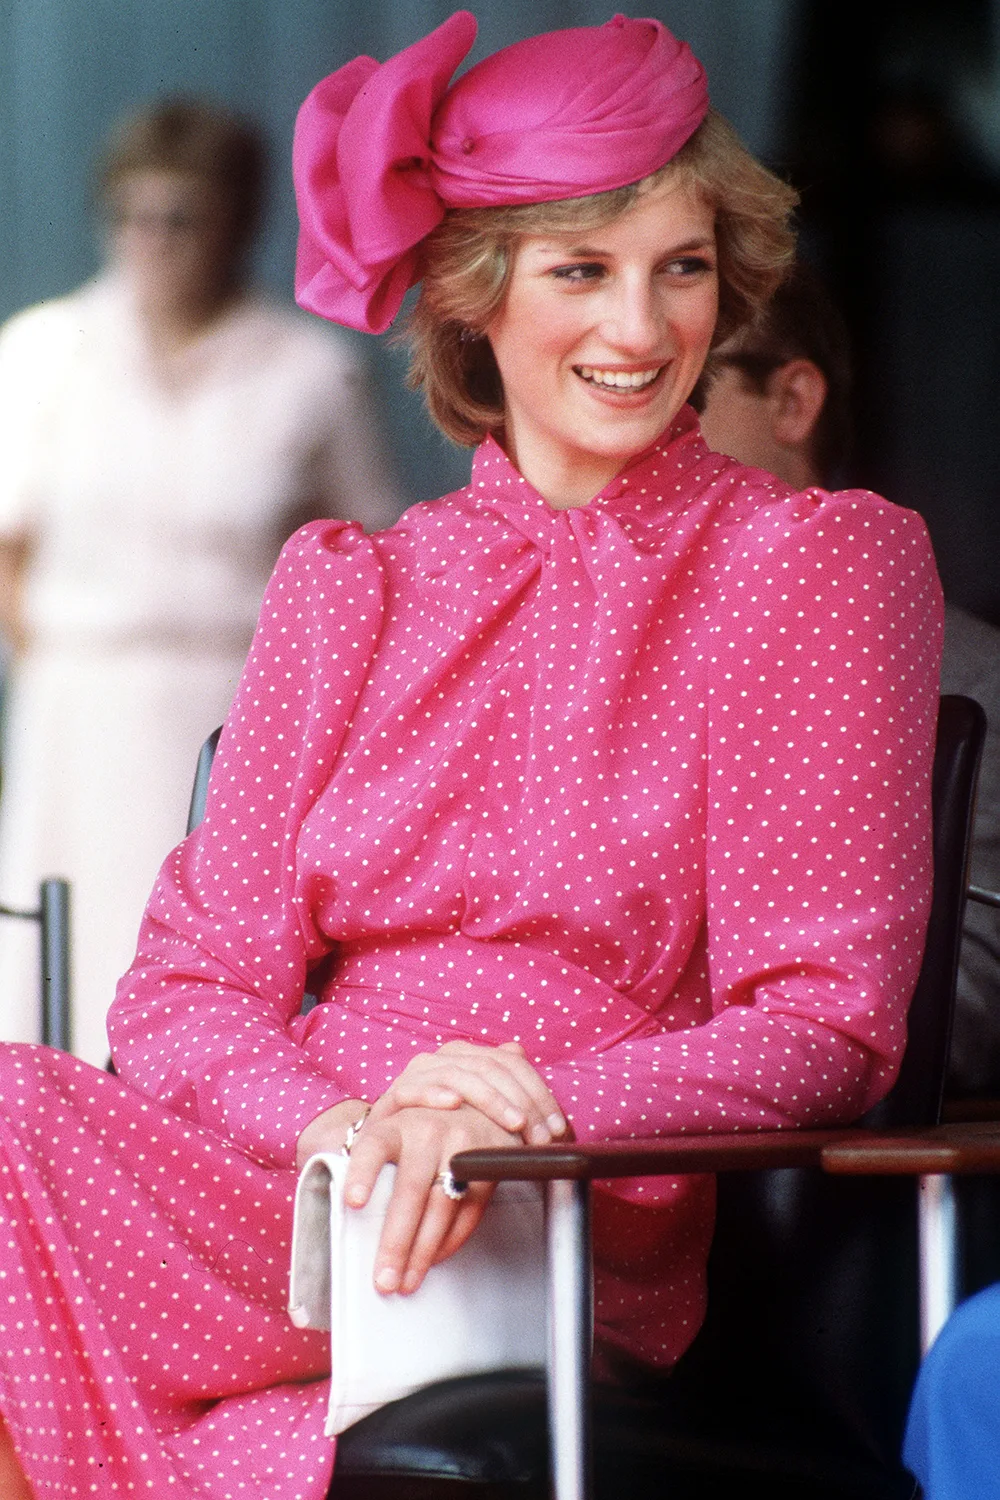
[[162, 430]]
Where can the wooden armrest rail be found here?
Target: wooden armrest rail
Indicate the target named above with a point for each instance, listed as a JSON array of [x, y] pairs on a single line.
[[951, 1149], [651, 1158]]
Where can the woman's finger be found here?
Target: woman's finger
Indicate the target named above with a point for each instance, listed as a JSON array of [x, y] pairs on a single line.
[[416, 1147], [510, 1058], [494, 1093], [375, 1145], [423, 1224], [445, 1225], [498, 1081], [418, 1213], [440, 1234], [470, 1211], [417, 1091]]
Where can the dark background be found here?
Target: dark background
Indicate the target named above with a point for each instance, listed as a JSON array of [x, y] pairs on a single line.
[[886, 115]]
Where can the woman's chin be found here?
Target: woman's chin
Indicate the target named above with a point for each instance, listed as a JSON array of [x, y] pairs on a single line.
[[623, 431]]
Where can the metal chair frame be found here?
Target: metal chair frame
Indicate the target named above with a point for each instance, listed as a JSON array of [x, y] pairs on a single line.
[[53, 917]]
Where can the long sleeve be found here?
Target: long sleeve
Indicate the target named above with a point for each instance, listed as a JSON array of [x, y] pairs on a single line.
[[820, 698], [200, 1020]]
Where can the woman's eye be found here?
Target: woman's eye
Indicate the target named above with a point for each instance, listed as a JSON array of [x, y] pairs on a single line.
[[578, 273], [690, 265]]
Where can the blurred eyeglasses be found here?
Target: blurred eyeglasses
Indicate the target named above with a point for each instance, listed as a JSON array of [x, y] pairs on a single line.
[[173, 223]]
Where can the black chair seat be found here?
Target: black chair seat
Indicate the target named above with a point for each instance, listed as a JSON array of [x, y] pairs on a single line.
[[474, 1438], [479, 1431]]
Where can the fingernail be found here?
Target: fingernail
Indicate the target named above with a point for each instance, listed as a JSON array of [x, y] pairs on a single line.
[[539, 1135], [411, 1281], [356, 1195], [387, 1280], [513, 1118], [556, 1124]]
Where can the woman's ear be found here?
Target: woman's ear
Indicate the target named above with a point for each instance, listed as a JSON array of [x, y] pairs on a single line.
[[796, 392]]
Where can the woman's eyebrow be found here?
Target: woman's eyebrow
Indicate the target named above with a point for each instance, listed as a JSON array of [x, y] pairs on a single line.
[[579, 252], [698, 242]]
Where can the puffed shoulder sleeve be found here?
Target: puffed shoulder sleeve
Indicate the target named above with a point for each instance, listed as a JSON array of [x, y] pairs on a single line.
[[200, 1020]]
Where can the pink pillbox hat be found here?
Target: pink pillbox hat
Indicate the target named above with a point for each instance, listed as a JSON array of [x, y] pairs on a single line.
[[382, 150]]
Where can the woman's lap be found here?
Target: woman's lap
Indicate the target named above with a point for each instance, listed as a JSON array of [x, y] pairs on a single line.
[[143, 1284]]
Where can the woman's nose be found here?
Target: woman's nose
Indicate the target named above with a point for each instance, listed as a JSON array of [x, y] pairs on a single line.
[[635, 321]]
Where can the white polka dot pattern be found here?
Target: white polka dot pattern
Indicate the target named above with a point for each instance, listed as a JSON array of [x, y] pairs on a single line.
[[644, 785], [143, 1285]]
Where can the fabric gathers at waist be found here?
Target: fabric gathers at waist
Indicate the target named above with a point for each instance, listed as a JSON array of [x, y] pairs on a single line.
[[489, 990], [387, 999]]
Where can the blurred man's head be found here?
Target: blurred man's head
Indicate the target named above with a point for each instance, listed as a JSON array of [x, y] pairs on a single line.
[[778, 396]]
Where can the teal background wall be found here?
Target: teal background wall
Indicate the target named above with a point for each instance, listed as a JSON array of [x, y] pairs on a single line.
[[70, 68]]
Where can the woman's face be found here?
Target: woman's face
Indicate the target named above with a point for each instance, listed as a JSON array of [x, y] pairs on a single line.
[[602, 334], [171, 239]]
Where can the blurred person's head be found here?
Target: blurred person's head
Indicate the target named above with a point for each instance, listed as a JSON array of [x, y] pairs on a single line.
[[778, 395], [182, 185]]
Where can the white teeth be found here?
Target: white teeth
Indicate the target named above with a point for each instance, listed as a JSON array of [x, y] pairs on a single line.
[[620, 380]]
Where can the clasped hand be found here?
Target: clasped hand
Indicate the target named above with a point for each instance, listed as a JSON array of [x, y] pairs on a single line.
[[460, 1098]]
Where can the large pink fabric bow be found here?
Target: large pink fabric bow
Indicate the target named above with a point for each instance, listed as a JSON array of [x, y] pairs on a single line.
[[361, 161], [381, 151]]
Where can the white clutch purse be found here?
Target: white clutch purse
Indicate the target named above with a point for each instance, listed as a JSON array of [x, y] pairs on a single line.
[[482, 1309]]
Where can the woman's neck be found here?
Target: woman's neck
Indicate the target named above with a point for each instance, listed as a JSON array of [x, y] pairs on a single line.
[[562, 484]]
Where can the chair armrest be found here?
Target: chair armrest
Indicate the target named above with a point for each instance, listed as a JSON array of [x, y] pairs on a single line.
[[668, 1156], [567, 1171], [934, 1155], [951, 1149]]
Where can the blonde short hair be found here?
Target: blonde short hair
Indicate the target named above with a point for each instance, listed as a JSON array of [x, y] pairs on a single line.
[[467, 260]]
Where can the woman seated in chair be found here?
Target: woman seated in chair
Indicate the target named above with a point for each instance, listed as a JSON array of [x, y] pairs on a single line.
[[592, 798]]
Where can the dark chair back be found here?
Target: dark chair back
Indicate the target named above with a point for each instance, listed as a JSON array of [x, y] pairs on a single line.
[[916, 1096]]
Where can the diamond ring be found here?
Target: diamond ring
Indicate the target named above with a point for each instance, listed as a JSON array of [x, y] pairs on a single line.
[[451, 1189]]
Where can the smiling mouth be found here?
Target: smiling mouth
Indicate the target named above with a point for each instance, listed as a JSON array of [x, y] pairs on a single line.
[[618, 380]]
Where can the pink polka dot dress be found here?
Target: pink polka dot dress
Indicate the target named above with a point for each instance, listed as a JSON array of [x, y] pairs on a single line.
[[643, 785]]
